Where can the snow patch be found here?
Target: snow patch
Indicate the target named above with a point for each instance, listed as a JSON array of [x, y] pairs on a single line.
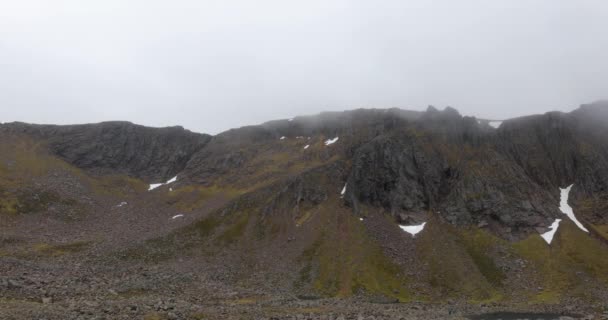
[[343, 191], [331, 141], [413, 230], [121, 204], [177, 216], [306, 146], [361, 219], [156, 185], [548, 236], [282, 138], [495, 124], [567, 209]]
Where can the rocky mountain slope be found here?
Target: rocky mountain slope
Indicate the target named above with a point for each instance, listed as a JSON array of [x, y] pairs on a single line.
[[294, 216]]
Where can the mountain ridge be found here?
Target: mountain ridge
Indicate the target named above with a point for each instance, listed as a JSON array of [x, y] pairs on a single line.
[[310, 207]]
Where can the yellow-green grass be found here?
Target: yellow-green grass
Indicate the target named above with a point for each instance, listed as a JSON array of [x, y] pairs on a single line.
[[601, 230], [46, 250], [572, 256], [29, 201], [267, 165], [345, 260], [236, 229], [23, 161], [458, 263], [192, 197], [155, 316], [54, 250]]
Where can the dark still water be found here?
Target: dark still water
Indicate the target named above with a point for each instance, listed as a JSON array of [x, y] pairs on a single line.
[[518, 316]]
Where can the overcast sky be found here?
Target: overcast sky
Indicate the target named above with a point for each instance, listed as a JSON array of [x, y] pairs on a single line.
[[214, 65]]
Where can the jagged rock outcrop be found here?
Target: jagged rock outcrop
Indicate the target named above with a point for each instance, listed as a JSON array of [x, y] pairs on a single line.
[[450, 165]]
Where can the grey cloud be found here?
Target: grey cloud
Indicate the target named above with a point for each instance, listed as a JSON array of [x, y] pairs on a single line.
[[213, 65]]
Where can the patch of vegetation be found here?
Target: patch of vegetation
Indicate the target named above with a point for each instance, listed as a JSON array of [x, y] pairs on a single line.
[[166, 247], [155, 316], [56, 250], [305, 274], [304, 217], [236, 230], [601, 230], [29, 201], [23, 161], [344, 261], [457, 265], [290, 311], [153, 250], [572, 256], [478, 243], [192, 197], [198, 316], [205, 227], [8, 204], [117, 185], [593, 208], [23, 157]]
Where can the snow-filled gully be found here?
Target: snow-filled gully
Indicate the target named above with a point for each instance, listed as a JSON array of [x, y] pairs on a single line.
[[566, 209]]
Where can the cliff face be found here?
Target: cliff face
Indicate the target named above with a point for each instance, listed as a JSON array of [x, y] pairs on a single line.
[[151, 154], [407, 163]]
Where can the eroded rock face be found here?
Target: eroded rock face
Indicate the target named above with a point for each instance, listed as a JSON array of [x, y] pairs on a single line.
[[559, 149], [152, 154], [507, 178], [407, 163], [395, 172]]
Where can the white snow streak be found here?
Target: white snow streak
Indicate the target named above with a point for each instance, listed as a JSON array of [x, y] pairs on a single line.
[[495, 124], [282, 138], [413, 230], [121, 204], [156, 185], [567, 209], [306, 146], [343, 191], [548, 236], [177, 216], [331, 141]]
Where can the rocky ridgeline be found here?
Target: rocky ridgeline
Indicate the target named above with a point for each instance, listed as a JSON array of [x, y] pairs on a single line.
[[151, 154], [407, 162]]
